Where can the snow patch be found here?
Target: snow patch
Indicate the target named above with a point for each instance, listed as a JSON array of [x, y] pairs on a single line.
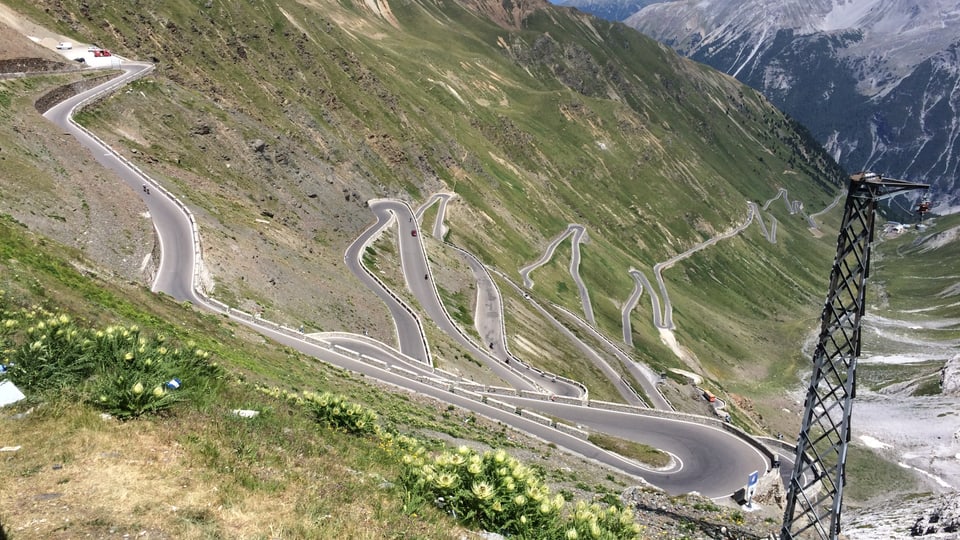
[[920, 432], [873, 443], [939, 481], [900, 359]]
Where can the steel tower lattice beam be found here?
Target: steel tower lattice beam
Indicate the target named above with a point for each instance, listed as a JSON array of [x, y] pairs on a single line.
[[816, 485]]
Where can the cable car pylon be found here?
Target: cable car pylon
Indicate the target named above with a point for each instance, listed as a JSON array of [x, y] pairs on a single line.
[[815, 492]]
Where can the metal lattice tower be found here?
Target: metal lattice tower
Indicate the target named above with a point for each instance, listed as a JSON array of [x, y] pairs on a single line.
[[816, 485]]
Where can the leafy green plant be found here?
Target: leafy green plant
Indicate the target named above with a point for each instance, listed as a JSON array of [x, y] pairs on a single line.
[[51, 354], [114, 368], [593, 521], [491, 490], [128, 397], [495, 492], [333, 411], [139, 375]]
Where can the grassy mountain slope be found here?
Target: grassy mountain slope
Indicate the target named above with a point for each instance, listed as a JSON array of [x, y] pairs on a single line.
[[917, 287], [277, 121], [198, 471]]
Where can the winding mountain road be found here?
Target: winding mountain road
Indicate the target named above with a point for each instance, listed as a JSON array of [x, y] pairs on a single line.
[[173, 225], [577, 234], [712, 461], [413, 261], [812, 218], [410, 336], [488, 317], [663, 319]]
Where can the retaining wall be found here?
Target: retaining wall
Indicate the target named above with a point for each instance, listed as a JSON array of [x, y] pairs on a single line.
[[570, 430], [567, 399], [501, 405], [374, 361], [621, 407], [403, 371], [472, 387], [540, 419], [534, 395], [472, 395], [346, 352]]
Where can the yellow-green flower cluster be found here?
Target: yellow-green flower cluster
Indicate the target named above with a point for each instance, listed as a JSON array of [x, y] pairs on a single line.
[[114, 367], [495, 492], [46, 350], [591, 521], [490, 490], [398, 444], [332, 410]]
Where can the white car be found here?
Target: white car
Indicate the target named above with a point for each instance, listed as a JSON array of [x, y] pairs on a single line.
[[64, 46]]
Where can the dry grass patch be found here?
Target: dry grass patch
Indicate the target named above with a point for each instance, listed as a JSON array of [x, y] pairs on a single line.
[[198, 474], [98, 477]]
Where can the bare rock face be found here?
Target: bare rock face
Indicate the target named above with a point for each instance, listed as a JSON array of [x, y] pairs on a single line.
[[950, 377], [934, 517], [771, 491], [943, 517], [695, 516], [29, 65]]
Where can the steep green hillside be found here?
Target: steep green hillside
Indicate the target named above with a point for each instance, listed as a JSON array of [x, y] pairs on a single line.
[[197, 470], [277, 121], [915, 292], [915, 267]]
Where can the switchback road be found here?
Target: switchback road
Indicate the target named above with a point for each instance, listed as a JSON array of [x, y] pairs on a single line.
[[709, 460]]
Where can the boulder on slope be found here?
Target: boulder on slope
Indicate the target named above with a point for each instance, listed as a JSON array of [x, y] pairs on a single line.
[[950, 377]]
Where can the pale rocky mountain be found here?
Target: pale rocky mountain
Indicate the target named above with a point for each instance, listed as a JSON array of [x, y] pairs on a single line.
[[611, 10], [876, 81]]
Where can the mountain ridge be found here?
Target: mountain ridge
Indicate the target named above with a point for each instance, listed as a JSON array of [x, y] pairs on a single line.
[[872, 79]]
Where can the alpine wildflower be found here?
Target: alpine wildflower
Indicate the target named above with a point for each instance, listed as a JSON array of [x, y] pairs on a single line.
[[446, 480], [482, 490]]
